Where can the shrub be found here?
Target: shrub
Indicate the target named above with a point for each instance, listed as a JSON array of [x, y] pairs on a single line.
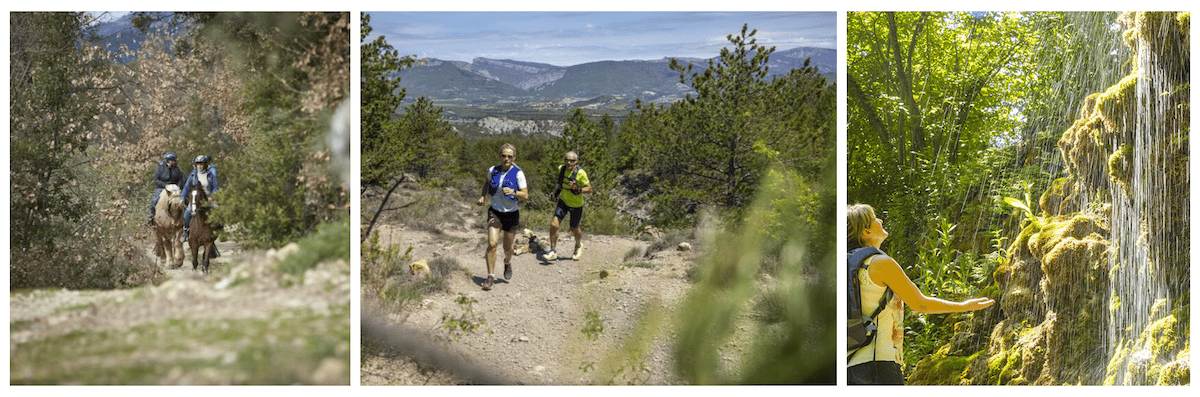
[[330, 242]]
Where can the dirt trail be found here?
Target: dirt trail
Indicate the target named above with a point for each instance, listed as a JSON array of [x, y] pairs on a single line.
[[220, 328], [540, 327]]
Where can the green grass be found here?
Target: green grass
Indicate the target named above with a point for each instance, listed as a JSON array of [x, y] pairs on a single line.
[[285, 348]]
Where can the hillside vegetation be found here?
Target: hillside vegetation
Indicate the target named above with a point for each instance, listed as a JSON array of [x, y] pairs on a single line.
[[745, 164]]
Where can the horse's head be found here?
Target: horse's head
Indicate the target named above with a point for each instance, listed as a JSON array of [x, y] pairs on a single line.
[[197, 200]]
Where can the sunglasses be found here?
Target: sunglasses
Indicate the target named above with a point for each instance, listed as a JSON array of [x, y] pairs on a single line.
[[570, 160], [506, 156]]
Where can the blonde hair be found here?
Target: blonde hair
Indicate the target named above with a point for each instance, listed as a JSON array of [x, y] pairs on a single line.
[[859, 217], [509, 146]]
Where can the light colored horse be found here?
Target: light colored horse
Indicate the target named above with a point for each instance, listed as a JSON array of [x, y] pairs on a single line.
[[200, 236], [168, 226]]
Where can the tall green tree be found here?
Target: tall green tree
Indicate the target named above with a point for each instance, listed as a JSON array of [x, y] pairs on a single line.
[[380, 98], [935, 100], [301, 66], [50, 114], [711, 149], [429, 139]]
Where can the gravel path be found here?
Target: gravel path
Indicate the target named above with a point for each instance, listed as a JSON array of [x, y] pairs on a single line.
[[191, 329], [541, 326]]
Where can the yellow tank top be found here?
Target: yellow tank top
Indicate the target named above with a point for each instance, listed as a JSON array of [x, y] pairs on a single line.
[[888, 344]]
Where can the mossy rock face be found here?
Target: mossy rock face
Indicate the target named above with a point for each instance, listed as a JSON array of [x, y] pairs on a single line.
[[1165, 35], [1119, 167], [1178, 372], [1053, 284], [1060, 198], [1074, 258], [942, 369], [1158, 356], [1019, 280]]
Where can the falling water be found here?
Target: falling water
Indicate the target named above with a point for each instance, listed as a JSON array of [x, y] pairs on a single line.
[[1089, 298], [1148, 244]]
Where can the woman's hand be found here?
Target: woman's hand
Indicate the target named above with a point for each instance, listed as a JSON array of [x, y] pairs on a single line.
[[480, 201], [978, 303]]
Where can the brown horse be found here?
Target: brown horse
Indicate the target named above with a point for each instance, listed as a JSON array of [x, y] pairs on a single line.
[[168, 225], [200, 235]]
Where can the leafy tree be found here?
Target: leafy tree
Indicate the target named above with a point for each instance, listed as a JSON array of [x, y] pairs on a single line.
[[710, 150], [380, 97], [953, 110], [295, 54], [49, 119], [430, 139], [66, 212], [949, 113]]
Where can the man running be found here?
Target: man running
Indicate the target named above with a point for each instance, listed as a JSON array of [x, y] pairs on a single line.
[[505, 185], [570, 201]]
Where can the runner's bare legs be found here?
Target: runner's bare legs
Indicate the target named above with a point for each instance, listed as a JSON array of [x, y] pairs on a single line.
[[494, 240]]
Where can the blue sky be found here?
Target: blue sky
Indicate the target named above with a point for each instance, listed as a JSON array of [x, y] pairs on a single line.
[[572, 38]]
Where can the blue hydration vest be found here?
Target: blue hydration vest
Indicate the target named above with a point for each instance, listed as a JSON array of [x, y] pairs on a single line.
[[501, 179]]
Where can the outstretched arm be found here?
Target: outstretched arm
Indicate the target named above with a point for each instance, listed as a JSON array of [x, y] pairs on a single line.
[[885, 271]]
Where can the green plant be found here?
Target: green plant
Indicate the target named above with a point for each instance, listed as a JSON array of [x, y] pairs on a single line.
[[1024, 206], [632, 253], [379, 262], [593, 326], [465, 323], [330, 242]]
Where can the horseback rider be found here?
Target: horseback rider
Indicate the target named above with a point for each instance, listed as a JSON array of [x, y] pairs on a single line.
[[203, 176], [167, 173]]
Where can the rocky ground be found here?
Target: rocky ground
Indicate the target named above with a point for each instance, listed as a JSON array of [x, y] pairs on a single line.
[[244, 323], [554, 322]]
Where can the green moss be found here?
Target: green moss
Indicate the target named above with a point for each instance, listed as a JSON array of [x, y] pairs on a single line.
[[940, 369], [1176, 373], [1053, 198], [1119, 168], [1002, 367], [1162, 337]]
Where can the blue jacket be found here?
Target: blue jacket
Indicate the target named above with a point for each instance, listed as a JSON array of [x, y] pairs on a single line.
[[193, 181]]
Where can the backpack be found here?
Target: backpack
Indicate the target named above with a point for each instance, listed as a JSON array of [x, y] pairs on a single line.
[[562, 171], [860, 329]]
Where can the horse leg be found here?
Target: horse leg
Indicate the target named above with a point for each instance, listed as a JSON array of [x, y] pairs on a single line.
[[207, 248], [195, 251], [177, 260]]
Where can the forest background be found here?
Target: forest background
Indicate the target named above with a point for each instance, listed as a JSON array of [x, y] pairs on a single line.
[[89, 123]]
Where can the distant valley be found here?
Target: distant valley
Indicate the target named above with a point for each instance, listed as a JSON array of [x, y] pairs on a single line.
[[490, 96]]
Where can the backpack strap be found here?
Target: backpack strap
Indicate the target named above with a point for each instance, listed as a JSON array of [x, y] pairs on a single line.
[[857, 260], [562, 170]]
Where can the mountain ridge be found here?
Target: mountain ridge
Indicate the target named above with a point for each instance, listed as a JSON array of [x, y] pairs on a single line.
[[485, 79]]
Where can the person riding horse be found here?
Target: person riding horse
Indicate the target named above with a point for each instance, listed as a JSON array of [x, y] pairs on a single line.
[[167, 173], [203, 177]]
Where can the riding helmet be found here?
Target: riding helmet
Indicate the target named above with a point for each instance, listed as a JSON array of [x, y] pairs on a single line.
[[170, 156], [201, 159]]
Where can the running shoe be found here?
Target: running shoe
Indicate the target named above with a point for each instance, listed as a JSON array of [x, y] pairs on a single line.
[[508, 271], [578, 253], [551, 255], [487, 284]]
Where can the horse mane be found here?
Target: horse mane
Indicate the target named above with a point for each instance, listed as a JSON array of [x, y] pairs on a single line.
[[171, 203]]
